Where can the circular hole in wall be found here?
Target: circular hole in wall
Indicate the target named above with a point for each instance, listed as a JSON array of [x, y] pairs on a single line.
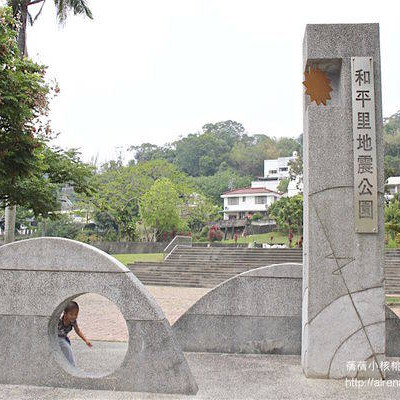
[[102, 324]]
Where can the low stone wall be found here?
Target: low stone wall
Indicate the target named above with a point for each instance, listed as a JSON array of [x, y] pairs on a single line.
[[130, 247], [258, 311]]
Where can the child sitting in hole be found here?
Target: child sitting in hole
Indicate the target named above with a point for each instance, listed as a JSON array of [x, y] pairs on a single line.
[[65, 325]]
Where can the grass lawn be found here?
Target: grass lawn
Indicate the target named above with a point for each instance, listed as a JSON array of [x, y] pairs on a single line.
[[395, 300], [131, 258]]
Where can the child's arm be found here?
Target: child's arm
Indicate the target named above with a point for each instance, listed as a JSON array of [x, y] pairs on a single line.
[[81, 335]]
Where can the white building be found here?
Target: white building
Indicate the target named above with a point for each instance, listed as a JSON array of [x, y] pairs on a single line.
[[243, 203], [392, 185], [274, 172]]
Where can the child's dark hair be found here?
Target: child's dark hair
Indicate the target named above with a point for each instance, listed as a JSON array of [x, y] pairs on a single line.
[[72, 305]]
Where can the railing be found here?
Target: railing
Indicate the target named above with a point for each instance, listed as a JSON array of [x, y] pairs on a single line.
[[177, 241]]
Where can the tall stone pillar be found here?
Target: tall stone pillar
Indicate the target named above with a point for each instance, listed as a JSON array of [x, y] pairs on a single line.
[[343, 294]]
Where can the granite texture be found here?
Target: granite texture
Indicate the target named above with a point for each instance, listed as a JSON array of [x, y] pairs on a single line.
[[258, 311], [343, 314], [238, 317], [38, 277]]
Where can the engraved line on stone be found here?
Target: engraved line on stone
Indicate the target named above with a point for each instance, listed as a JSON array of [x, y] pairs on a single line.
[[346, 286], [347, 338], [378, 354], [343, 295], [330, 188], [350, 260]]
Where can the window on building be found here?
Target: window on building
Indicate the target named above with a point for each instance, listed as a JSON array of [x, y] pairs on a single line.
[[261, 199], [283, 169], [244, 198], [233, 201], [273, 171]]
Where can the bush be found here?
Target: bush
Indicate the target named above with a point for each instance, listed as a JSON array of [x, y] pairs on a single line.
[[256, 217], [398, 239], [215, 234]]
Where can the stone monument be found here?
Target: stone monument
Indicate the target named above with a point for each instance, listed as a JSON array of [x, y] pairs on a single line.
[[343, 321], [38, 277]]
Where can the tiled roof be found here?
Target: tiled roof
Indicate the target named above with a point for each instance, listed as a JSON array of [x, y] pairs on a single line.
[[250, 190]]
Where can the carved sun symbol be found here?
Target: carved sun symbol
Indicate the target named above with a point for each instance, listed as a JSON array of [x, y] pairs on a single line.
[[317, 86]]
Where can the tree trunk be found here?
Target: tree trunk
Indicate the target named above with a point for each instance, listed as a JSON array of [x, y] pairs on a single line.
[[43, 233], [11, 212], [9, 224], [23, 18]]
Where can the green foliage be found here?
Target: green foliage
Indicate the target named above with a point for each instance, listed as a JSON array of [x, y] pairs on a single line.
[[256, 217], [213, 186], [160, 208], [148, 152], [391, 136], [201, 154], [64, 226], [288, 212], [397, 239], [39, 191], [392, 217], [24, 102], [283, 186], [119, 190], [218, 147], [199, 210]]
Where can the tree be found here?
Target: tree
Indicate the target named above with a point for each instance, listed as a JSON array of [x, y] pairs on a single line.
[[392, 217], [288, 212], [160, 208], [286, 146], [24, 105], [225, 179], [20, 12], [283, 185], [39, 190], [147, 152], [248, 158], [199, 211], [63, 8], [120, 188]]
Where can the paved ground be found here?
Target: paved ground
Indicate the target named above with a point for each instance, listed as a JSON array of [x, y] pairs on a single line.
[[219, 376], [231, 377], [100, 319]]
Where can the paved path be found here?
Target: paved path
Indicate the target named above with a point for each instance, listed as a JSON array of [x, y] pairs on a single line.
[[231, 377], [100, 319]]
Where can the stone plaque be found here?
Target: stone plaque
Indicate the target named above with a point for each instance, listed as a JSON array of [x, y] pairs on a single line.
[[364, 144]]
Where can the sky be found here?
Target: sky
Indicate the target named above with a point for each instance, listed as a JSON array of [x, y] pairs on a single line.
[[151, 71]]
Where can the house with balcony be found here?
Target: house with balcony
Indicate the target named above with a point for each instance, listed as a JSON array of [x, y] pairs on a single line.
[[244, 203]]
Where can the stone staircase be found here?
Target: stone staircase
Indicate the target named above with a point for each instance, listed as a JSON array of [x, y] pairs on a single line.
[[208, 267], [392, 271]]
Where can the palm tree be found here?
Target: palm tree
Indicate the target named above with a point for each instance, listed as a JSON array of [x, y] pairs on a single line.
[[21, 12]]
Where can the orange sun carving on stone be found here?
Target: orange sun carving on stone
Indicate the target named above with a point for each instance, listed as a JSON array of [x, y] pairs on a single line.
[[317, 85]]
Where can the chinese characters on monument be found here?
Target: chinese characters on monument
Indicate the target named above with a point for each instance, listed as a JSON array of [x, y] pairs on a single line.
[[364, 134]]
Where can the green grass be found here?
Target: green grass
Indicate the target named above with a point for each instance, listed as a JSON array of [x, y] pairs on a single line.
[[391, 244], [279, 237], [131, 258], [393, 300]]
